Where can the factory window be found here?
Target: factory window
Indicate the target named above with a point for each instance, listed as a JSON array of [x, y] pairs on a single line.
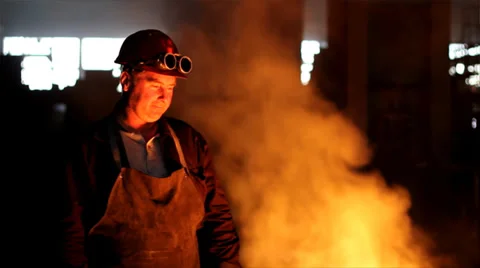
[[58, 61], [47, 60], [465, 63]]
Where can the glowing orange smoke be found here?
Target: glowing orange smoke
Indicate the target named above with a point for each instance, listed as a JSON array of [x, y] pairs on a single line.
[[298, 204], [285, 157]]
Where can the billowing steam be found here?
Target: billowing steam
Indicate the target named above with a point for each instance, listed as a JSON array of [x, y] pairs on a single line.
[[285, 155]]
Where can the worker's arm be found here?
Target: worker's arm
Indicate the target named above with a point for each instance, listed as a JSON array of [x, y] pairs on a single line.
[[218, 237]]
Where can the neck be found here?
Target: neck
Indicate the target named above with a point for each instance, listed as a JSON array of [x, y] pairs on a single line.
[[133, 123]]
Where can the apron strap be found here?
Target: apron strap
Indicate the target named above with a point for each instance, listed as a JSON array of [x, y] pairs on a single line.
[[179, 148], [120, 156]]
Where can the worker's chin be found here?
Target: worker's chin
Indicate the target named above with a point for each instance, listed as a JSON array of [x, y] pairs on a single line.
[[154, 116]]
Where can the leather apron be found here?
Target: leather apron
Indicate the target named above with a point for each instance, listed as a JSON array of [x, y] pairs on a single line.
[[149, 221]]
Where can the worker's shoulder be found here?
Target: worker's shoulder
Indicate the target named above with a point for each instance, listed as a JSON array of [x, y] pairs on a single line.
[[182, 128], [179, 124]]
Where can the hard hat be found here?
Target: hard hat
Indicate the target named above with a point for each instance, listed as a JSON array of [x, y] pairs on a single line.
[[153, 50]]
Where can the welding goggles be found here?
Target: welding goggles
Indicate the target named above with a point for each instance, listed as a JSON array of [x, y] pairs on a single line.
[[168, 63]]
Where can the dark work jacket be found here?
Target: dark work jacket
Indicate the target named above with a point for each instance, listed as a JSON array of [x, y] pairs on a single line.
[[92, 171]]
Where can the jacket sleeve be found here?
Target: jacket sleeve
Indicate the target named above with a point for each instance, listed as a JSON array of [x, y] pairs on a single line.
[[73, 238], [218, 237]]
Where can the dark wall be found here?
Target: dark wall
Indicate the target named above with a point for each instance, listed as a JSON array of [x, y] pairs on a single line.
[[82, 18], [399, 82], [92, 18]]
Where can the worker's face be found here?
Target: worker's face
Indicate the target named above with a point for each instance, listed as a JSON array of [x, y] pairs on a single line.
[[149, 93]]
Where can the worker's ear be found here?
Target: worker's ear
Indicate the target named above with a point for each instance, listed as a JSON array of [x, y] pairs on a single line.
[[126, 80]]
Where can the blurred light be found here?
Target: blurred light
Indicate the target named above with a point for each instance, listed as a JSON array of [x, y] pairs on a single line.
[[308, 58], [116, 72], [457, 51], [473, 80], [99, 53], [452, 71], [306, 67], [37, 72], [460, 68], [19, 46], [476, 68], [64, 68], [452, 48], [310, 47], [474, 51], [474, 123], [60, 107], [65, 77], [305, 78], [66, 61], [66, 52], [119, 88], [308, 50]]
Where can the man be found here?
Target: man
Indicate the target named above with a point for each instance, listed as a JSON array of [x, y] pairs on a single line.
[[142, 188]]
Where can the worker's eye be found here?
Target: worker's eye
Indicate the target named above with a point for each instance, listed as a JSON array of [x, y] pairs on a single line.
[[155, 85]]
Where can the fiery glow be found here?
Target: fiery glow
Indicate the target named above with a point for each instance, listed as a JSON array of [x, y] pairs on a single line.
[[285, 154], [297, 203]]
